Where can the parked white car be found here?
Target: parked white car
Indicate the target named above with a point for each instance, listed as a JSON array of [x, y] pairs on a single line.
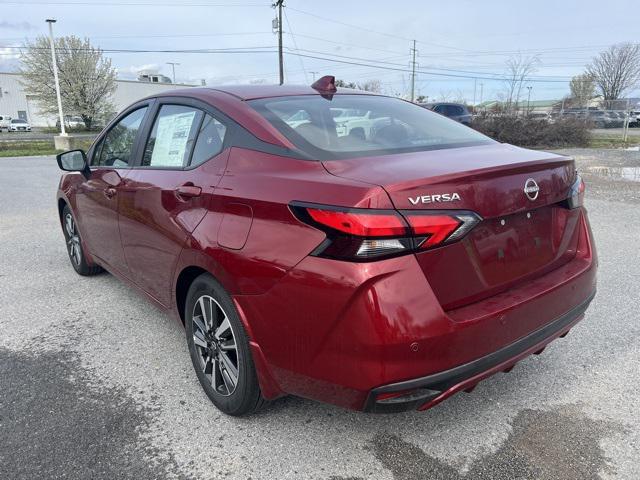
[[19, 125], [72, 121], [4, 122]]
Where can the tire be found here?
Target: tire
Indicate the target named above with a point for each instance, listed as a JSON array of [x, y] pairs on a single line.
[[74, 245], [227, 374]]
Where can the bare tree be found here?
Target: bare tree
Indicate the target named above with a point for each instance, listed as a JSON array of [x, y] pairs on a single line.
[[519, 68], [343, 84], [87, 80], [583, 88], [371, 86], [616, 70], [444, 96], [368, 86]]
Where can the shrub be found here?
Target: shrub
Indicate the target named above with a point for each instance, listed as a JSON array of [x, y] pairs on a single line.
[[534, 132]]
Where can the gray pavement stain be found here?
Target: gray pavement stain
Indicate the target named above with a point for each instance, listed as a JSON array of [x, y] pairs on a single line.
[[611, 175], [56, 423], [561, 444]]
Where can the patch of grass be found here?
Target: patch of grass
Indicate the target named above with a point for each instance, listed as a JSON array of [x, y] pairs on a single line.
[[605, 141], [27, 148]]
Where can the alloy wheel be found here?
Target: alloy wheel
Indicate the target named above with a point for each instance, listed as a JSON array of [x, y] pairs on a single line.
[[216, 345], [73, 240]]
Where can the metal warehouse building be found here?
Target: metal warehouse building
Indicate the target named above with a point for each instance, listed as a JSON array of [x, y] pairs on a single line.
[[16, 103]]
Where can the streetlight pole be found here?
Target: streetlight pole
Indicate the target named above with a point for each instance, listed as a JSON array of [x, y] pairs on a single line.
[[51, 21], [173, 69]]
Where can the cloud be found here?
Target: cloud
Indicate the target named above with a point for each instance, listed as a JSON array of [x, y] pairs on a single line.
[[133, 70], [17, 26]]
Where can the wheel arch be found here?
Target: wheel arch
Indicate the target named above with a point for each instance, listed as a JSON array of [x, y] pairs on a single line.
[[61, 204], [183, 281]]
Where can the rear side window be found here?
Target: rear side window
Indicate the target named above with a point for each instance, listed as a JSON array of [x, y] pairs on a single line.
[[210, 140], [342, 126], [172, 137], [116, 148]]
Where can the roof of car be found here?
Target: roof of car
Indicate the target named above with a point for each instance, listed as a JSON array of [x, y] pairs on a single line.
[[252, 92]]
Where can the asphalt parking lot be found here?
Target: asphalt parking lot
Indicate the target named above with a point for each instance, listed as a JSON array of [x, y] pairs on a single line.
[[95, 382]]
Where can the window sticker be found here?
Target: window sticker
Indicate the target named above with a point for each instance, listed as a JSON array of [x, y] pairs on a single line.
[[171, 139]]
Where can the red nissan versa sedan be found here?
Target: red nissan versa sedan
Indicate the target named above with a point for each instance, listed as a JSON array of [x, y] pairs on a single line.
[[338, 245]]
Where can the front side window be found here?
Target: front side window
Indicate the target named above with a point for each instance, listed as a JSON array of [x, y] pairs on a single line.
[[344, 126], [116, 148], [172, 138]]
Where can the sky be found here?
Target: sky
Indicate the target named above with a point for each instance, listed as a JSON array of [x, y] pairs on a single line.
[[461, 45]]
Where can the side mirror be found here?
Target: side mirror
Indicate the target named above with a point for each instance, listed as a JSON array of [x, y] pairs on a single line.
[[74, 161]]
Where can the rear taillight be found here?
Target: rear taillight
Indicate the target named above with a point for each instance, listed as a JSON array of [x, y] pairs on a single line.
[[576, 193], [358, 234], [360, 224]]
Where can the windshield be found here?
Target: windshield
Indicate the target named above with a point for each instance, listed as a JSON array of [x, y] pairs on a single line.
[[18, 121], [341, 126]]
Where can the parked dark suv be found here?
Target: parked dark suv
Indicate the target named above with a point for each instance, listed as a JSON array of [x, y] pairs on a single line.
[[455, 111]]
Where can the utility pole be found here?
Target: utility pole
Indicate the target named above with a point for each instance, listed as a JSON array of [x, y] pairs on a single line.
[[51, 21], [413, 72], [314, 75], [475, 82], [173, 69], [279, 4], [481, 88], [529, 98]]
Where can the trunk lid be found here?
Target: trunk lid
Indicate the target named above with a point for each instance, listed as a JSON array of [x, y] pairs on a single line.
[[488, 179], [521, 236]]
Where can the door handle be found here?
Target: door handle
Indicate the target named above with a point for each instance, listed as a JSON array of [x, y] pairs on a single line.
[[188, 191], [110, 192]]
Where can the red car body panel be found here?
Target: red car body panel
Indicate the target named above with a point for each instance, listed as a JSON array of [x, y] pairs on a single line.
[[335, 330]]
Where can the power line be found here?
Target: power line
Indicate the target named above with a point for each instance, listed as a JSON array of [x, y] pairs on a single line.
[[135, 4], [365, 29], [295, 44], [343, 59], [424, 72], [344, 44], [347, 24]]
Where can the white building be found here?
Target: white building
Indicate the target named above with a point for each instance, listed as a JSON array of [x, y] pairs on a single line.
[[15, 103]]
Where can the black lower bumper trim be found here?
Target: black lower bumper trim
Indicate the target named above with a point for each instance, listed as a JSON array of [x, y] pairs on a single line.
[[444, 380]]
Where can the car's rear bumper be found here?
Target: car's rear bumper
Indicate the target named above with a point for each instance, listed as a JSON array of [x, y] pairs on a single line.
[[426, 392], [338, 331]]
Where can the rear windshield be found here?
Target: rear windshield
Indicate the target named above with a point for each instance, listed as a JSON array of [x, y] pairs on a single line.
[[342, 126]]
